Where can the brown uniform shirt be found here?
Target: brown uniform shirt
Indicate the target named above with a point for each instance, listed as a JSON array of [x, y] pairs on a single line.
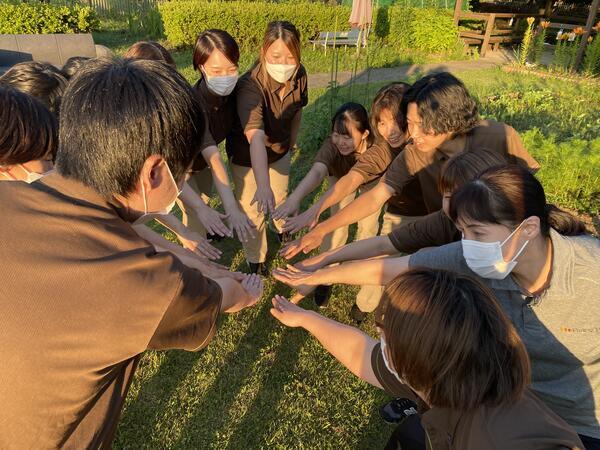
[[219, 116], [82, 297], [259, 107], [527, 424], [425, 167], [432, 230]]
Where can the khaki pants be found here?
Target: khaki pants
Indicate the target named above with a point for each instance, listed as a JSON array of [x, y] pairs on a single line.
[[202, 183], [367, 227], [369, 296], [245, 188]]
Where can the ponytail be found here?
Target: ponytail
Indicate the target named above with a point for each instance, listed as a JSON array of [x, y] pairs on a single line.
[[563, 222]]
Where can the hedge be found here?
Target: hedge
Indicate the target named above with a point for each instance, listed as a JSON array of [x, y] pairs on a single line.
[[429, 30], [40, 18]]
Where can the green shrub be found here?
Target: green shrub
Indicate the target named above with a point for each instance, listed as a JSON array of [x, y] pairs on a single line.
[[429, 30], [39, 18]]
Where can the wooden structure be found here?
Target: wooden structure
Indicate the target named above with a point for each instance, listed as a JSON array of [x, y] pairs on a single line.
[[496, 30]]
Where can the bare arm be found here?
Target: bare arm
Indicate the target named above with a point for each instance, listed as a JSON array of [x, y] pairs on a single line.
[[260, 168], [189, 239], [309, 183], [363, 206], [349, 345], [295, 128], [236, 218], [211, 219], [363, 249], [345, 186], [376, 272]]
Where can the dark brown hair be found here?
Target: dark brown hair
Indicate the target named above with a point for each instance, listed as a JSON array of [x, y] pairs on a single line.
[[444, 104], [390, 97], [287, 32], [507, 196], [116, 113], [449, 338], [40, 80], [463, 167], [211, 40], [149, 50], [29, 130], [73, 64], [353, 114]]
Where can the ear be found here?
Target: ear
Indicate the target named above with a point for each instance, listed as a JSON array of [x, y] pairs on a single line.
[[365, 134], [151, 173], [531, 227]]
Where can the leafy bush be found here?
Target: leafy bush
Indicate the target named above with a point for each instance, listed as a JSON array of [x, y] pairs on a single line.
[[39, 18], [429, 30]]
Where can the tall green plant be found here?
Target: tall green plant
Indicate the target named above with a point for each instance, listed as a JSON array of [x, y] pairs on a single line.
[[539, 41], [526, 45], [591, 62]]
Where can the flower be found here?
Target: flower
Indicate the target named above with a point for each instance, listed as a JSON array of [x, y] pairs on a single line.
[[597, 27], [564, 36], [590, 39], [546, 23], [579, 31], [530, 20]]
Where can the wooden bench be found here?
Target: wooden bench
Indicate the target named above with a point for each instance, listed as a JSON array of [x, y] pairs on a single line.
[[55, 49], [327, 39], [494, 31]]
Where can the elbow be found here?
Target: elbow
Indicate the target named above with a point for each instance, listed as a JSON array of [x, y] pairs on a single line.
[[252, 135]]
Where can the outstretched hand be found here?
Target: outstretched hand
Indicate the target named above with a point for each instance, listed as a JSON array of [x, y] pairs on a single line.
[[288, 313], [294, 277], [305, 244]]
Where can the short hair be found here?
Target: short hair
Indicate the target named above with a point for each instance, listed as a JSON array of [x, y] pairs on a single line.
[[287, 32], [444, 104], [149, 50], [40, 80], [465, 166], [211, 40], [29, 130], [353, 114], [117, 113], [449, 338], [73, 65], [507, 195], [392, 98]]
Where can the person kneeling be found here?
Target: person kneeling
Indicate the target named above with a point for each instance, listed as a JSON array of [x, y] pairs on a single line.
[[444, 342]]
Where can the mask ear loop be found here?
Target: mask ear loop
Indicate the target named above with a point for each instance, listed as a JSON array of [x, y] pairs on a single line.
[[508, 238], [144, 197]]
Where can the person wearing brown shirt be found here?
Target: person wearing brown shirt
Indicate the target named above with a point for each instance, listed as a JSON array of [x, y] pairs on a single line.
[[83, 295], [444, 342], [442, 121], [270, 98], [350, 141], [216, 57]]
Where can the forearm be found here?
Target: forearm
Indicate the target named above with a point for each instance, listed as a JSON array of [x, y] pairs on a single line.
[[376, 272], [349, 345], [160, 243], [295, 128], [363, 249], [173, 224], [340, 190], [191, 198], [259, 161], [220, 177], [308, 184], [233, 294]]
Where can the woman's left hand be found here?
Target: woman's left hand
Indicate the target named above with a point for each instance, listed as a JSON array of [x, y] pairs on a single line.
[[242, 225], [287, 313]]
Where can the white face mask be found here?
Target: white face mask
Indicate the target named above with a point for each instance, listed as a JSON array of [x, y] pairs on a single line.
[[30, 176], [486, 258], [221, 85], [148, 216], [386, 362], [280, 72]]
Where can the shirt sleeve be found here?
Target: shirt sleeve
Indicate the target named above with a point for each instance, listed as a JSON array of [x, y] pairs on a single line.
[[398, 174], [374, 162], [190, 321], [326, 154], [207, 137], [303, 87], [250, 105], [432, 230], [447, 257], [516, 150], [387, 379]]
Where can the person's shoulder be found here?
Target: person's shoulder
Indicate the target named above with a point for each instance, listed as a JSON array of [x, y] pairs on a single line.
[[584, 249], [520, 424], [301, 73]]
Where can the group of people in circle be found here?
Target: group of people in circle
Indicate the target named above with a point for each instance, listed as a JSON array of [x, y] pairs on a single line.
[[485, 297]]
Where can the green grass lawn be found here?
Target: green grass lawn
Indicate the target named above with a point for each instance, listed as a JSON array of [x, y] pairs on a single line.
[[259, 384]]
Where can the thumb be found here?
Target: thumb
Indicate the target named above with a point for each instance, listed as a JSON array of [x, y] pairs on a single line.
[[276, 313]]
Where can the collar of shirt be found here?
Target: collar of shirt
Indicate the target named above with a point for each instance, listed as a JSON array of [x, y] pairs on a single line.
[[82, 193], [214, 101]]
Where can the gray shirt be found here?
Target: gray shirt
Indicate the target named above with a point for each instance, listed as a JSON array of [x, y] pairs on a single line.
[[560, 327]]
